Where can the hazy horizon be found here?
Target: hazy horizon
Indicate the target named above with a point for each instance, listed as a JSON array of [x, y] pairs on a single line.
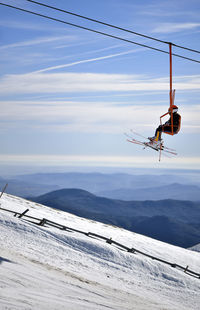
[[14, 170]]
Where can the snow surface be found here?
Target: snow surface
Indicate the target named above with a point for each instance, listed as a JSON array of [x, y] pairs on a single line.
[[196, 247], [46, 268]]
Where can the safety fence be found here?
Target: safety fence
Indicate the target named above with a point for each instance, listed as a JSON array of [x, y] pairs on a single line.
[[47, 223]]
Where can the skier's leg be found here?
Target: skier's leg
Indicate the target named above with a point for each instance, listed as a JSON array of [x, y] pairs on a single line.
[[158, 133]]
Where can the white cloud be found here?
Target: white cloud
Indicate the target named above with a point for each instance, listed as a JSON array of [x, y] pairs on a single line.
[[76, 116], [93, 117], [20, 25], [175, 27], [40, 83], [170, 9], [101, 161], [38, 41]]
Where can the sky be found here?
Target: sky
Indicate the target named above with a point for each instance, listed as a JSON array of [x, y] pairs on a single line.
[[67, 95]]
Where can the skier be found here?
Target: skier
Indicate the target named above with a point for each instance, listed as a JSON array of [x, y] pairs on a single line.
[[167, 127]]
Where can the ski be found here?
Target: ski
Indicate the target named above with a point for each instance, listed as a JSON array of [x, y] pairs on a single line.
[[149, 144], [156, 148], [135, 133]]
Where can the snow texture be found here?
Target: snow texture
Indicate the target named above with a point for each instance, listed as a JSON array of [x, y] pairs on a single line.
[[46, 268], [196, 247]]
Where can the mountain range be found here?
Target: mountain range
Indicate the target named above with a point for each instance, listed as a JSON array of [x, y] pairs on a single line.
[[23, 188], [122, 186], [169, 191], [173, 221]]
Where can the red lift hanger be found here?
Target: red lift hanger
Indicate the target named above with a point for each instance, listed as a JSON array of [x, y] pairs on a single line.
[[171, 93]]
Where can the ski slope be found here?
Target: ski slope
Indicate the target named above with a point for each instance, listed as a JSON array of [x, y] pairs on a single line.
[[196, 247], [46, 268]]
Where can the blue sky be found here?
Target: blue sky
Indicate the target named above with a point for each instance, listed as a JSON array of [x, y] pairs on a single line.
[[68, 95]]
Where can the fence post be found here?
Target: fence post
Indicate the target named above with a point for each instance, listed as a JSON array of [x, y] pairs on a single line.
[[23, 213], [42, 222], [109, 241], [132, 250], [3, 190]]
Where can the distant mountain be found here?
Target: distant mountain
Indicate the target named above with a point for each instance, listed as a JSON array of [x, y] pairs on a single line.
[[173, 221], [116, 186], [88, 181], [24, 188], [167, 229], [171, 191], [97, 182]]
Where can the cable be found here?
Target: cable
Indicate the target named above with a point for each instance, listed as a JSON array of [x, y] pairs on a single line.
[[95, 31], [113, 26]]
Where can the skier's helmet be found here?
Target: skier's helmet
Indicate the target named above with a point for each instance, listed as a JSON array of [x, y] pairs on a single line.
[[173, 109]]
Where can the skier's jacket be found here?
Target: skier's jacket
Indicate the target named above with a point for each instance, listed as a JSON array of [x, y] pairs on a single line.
[[176, 122]]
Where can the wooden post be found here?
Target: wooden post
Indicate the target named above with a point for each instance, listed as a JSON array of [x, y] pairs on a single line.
[[42, 222], [131, 250], [23, 213], [3, 190], [109, 241]]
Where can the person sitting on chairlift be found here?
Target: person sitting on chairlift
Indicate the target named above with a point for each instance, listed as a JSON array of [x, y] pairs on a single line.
[[167, 127]]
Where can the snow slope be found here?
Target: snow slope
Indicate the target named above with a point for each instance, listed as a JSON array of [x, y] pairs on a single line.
[[46, 268], [196, 247]]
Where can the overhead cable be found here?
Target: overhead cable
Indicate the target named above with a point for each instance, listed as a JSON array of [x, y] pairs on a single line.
[[96, 31], [113, 26]]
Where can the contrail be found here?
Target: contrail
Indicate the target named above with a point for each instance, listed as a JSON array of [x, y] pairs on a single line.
[[84, 61]]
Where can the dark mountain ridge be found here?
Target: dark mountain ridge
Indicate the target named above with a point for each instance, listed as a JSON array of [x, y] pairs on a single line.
[[173, 221]]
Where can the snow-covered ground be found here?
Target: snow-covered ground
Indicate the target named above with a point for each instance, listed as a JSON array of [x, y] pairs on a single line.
[[46, 268], [196, 247]]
